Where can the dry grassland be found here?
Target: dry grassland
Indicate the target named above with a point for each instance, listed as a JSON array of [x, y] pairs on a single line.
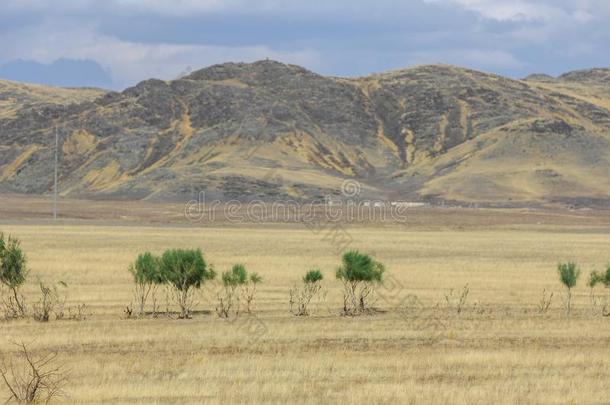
[[499, 350]]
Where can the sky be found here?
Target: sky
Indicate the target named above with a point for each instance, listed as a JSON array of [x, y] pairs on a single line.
[[117, 43]]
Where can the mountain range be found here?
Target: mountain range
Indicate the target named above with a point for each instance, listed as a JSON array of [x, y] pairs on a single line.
[[272, 131]]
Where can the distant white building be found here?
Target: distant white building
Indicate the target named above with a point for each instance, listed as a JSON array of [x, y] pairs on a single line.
[[408, 204]]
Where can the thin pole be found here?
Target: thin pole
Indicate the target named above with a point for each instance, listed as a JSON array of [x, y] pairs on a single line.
[[55, 187]]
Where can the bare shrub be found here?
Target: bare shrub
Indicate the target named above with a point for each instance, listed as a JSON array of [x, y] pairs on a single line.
[[31, 379], [228, 303], [457, 301], [128, 311], [44, 307], [545, 302], [78, 312], [50, 302], [13, 305], [481, 309]]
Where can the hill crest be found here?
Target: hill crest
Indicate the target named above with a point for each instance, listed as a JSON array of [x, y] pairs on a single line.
[[267, 130]]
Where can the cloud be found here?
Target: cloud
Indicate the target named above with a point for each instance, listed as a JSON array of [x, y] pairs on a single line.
[[549, 11], [182, 7], [190, 7], [504, 10], [491, 60], [138, 39], [131, 62]]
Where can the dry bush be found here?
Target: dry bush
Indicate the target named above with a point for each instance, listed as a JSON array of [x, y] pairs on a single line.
[[456, 301], [30, 379], [48, 303], [54, 302], [300, 298], [184, 299], [78, 312], [228, 302], [128, 311], [545, 302], [13, 305]]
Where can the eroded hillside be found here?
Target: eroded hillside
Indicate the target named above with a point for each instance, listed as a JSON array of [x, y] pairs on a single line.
[[272, 131]]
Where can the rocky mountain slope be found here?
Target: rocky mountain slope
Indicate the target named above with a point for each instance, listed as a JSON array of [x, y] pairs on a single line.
[[16, 96], [273, 131]]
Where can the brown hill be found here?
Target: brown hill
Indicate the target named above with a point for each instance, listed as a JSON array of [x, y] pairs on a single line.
[[272, 131]]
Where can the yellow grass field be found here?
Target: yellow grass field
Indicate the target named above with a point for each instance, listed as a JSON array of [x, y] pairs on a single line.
[[500, 349]]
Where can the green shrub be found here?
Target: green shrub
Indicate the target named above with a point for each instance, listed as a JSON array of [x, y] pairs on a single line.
[[597, 278], [13, 274], [146, 269], [301, 297], [568, 274], [360, 267], [147, 276], [184, 270], [313, 276], [250, 290], [235, 277], [359, 274], [238, 285]]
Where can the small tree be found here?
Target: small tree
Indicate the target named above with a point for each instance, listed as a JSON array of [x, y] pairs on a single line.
[[228, 299], [359, 274], [300, 297], [237, 284], [184, 270], [147, 276], [13, 273], [568, 274], [596, 278]]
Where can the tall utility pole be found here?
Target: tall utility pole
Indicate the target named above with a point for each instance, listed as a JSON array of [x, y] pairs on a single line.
[[55, 187]]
